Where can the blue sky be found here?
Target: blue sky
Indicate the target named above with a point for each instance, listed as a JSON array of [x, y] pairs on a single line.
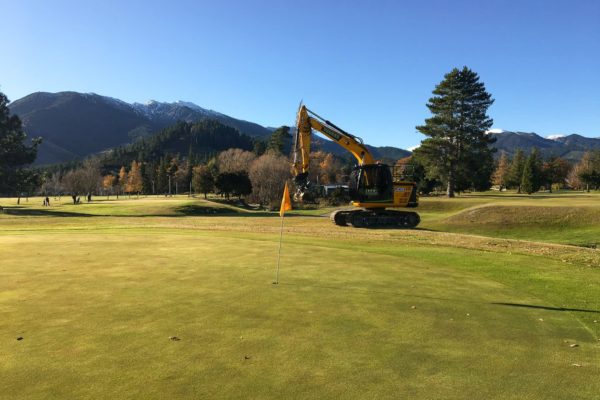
[[368, 66]]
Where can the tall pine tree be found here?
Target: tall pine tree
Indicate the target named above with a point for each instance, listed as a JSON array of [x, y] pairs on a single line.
[[457, 144], [14, 153]]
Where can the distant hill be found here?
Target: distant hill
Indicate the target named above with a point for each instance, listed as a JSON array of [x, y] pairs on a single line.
[[203, 139], [570, 147], [75, 125]]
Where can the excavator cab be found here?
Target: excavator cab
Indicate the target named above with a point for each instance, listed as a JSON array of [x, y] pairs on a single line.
[[372, 183]]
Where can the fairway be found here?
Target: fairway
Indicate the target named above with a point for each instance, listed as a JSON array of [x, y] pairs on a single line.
[[98, 291]]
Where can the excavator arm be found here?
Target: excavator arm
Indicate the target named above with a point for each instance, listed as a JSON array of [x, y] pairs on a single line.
[[306, 121]]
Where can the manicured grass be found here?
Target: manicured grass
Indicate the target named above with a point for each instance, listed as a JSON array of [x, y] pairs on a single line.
[[358, 313]]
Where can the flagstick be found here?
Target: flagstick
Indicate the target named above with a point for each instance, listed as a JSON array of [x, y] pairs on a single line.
[[279, 252]]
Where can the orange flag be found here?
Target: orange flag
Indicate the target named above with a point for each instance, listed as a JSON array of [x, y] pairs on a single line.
[[286, 203]]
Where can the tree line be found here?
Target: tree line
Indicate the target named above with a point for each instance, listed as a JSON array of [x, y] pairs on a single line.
[[456, 155], [233, 172]]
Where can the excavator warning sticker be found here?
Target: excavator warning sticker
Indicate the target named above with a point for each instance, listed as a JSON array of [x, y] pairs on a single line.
[[332, 133], [400, 189]]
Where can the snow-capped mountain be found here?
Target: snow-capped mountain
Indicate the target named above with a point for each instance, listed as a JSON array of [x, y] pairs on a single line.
[[570, 146], [74, 124]]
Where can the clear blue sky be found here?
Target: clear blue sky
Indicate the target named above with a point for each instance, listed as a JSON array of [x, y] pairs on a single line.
[[368, 66]]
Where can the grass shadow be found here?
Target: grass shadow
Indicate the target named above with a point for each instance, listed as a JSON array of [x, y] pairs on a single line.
[[194, 209], [197, 210], [32, 212], [545, 307], [234, 203]]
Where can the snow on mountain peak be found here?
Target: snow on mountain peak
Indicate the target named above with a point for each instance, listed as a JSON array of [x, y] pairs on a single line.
[[413, 148], [555, 137], [496, 130]]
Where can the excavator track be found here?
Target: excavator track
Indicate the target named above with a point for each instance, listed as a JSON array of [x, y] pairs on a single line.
[[375, 218]]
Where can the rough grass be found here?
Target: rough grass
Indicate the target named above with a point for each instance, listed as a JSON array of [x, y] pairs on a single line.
[[569, 218], [358, 314]]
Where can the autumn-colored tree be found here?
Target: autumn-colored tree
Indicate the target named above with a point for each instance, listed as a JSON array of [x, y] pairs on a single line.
[[573, 180], [122, 180], [108, 184], [329, 169], [314, 171], [134, 179], [501, 173]]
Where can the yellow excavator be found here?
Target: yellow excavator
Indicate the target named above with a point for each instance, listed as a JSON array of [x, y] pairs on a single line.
[[374, 187]]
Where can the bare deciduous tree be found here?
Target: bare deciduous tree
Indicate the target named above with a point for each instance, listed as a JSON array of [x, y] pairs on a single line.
[[268, 174], [52, 186], [235, 160], [85, 180]]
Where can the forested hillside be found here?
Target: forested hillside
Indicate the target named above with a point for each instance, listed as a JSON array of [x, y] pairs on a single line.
[[200, 140]]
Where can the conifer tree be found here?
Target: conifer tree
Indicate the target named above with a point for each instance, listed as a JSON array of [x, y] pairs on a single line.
[[532, 173], [149, 177], [279, 138], [457, 143], [14, 153], [162, 180], [515, 175]]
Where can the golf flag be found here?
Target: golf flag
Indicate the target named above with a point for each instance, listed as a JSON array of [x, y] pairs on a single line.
[[286, 203]]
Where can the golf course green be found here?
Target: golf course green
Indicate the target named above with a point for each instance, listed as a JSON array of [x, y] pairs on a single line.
[[495, 296]]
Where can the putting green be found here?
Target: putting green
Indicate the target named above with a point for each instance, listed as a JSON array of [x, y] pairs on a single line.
[[351, 318]]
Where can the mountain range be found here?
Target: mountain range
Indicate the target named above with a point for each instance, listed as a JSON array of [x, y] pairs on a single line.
[[75, 125], [570, 147]]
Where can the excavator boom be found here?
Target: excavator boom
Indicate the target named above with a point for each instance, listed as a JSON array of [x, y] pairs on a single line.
[[308, 120]]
